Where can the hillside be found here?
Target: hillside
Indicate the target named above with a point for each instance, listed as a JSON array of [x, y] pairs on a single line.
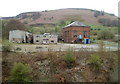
[[87, 16]]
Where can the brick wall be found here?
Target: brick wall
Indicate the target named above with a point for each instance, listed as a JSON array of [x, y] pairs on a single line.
[[71, 34]]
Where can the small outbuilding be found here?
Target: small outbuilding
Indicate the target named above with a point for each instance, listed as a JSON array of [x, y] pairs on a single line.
[[76, 32]]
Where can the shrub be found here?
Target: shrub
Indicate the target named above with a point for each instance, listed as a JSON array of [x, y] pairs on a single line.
[[105, 35], [69, 56], [21, 73], [7, 46], [95, 61]]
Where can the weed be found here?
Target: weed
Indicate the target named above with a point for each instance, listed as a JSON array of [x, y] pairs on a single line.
[[96, 61], [69, 56]]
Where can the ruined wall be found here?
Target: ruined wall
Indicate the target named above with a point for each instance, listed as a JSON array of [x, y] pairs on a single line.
[[45, 39], [17, 36]]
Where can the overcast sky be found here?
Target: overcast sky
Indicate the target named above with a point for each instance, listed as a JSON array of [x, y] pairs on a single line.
[[15, 7]]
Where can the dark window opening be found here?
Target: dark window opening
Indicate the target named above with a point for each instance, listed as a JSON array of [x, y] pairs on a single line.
[[37, 36], [44, 36], [52, 41], [37, 40], [75, 36], [80, 40], [75, 33], [85, 34]]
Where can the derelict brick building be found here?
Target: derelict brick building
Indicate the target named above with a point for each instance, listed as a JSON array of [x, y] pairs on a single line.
[[76, 32], [46, 38]]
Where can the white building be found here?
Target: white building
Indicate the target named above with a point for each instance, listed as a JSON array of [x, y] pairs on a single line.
[[19, 36]]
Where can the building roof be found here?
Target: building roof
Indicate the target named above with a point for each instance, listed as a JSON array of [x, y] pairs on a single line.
[[76, 23]]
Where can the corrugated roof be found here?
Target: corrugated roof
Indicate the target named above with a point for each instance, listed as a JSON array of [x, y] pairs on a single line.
[[76, 23]]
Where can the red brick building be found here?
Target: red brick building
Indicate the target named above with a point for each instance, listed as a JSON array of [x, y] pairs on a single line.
[[76, 32]]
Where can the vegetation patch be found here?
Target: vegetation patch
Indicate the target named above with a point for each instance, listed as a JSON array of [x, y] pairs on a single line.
[[96, 61], [21, 73], [7, 46], [69, 57]]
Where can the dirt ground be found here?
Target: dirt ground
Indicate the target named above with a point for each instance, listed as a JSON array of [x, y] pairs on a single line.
[[51, 67]]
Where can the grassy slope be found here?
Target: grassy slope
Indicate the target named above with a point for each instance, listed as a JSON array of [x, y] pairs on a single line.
[[86, 16]]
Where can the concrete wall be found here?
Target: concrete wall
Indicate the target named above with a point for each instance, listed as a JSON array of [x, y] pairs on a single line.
[[37, 39], [45, 39], [17, 36]]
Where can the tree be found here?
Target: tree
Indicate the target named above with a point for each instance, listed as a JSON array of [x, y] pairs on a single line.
[[105, 35], [21, 73], [13, 24], [62, 23]]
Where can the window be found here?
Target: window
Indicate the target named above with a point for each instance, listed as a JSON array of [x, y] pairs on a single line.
[[37, 36], [44, 36], [75, 33], [37, 40], [85, 34], [75, 36], [52, 41]]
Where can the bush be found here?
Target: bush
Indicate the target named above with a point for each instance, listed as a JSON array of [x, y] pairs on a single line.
[[69, 56], [105, 35], [95, 61], [21, 73], [7, 46]]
